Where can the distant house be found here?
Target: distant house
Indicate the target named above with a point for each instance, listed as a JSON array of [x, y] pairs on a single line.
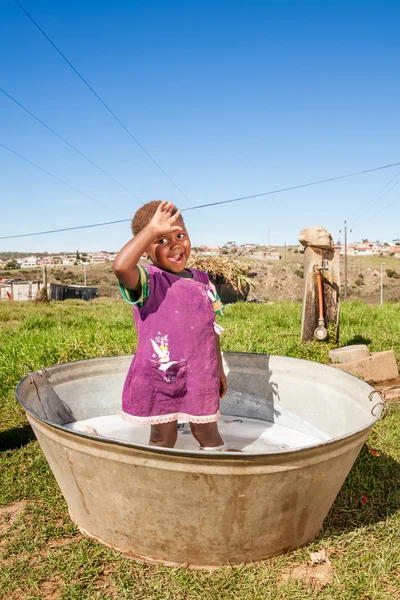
[[59, 291], [210, 250], [19, 291], [100, 257], [30, 261], [274, 256], [363, 248]]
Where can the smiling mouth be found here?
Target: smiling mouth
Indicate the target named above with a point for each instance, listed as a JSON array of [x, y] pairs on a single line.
[[177, 259]]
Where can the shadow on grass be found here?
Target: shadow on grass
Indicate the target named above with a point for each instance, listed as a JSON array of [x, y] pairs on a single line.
[[16, 438], [358, 339], [370, 494]]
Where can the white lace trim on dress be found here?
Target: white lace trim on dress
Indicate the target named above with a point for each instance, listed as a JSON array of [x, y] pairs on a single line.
[[157, 419]]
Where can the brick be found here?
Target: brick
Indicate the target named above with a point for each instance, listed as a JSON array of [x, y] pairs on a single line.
[[392, 393], [349, 353], [380, 366]]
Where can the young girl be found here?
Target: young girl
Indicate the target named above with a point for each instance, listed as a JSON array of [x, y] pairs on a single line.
[[177, 370]]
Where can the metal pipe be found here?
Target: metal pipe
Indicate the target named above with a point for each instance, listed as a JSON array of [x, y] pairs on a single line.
[[320, 298], [321, 333]]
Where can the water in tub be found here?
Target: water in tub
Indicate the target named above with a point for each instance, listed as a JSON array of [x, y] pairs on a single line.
[[241, 433]]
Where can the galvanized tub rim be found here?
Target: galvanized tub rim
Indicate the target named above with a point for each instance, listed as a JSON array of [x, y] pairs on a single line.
[[196, 453]]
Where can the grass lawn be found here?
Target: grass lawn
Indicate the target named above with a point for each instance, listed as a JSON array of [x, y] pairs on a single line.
[[42, 555]]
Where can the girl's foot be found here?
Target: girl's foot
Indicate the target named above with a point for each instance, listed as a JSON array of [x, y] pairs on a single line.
[[222, 448]]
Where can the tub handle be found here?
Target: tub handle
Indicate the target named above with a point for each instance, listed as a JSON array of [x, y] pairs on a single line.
[[382, 402], [28, 371]]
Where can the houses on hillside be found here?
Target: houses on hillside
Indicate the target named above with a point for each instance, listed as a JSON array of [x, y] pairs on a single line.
[[63, 259], [367, 248], [363, 248]]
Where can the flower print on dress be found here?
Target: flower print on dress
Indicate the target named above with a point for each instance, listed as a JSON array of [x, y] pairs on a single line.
[[160, 347]]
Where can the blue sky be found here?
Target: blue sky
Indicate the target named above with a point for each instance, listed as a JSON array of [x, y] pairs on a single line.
[[230, 98]]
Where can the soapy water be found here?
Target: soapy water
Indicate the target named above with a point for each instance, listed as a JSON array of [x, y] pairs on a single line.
[[239, 433]]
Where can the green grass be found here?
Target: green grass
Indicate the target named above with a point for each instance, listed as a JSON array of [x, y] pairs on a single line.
[[40, 544]]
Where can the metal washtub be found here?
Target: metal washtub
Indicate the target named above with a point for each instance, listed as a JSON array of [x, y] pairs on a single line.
[[300, 424]]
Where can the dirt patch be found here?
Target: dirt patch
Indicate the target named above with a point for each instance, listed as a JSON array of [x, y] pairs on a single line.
[[318, 576], [43, 554], [107, 587], [51, 590], [277, 281], [283, 279], [9, 514], [105, 584], [59, 543], [318, 572], [393, 588]]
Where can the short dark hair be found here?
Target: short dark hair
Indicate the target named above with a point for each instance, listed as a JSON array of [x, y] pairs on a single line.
[[144, 214]]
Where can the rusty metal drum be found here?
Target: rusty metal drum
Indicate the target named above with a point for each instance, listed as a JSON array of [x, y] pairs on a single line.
[[294, 427]]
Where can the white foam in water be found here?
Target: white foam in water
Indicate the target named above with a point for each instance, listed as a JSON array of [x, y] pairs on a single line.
[[248, 435]]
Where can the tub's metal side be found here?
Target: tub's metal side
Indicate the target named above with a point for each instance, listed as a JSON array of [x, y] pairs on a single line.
[[204, 511]]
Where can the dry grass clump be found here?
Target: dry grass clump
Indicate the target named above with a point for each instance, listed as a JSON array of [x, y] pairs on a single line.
[[233, 272], [42, 296]]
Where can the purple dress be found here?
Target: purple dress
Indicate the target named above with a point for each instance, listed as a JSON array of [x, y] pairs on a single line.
[[174, 373]]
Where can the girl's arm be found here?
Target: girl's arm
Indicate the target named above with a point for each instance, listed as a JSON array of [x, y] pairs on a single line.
[[125, 263], [223, 386]]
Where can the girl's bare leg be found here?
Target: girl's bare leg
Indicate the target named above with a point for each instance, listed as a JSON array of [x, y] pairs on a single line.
[[207, 434], [164, 435]]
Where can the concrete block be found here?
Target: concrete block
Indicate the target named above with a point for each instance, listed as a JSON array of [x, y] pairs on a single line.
[[391, 391], [349, 353], [380, 366]]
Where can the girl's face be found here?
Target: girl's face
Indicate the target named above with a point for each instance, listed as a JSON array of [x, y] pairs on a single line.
[[172, 251]]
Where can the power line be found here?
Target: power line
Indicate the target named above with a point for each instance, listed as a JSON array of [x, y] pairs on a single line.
[[55, 177], [377, 198], [101, 100], [9, 237], [277, 191], [68, 143], [386, 207], [296, 187]]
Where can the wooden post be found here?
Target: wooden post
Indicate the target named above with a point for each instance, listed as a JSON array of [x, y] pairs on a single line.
[[319, 252], [44, 276], [42, 295]]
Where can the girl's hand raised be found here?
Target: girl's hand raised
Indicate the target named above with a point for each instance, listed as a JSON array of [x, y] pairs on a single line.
[[163, 221]]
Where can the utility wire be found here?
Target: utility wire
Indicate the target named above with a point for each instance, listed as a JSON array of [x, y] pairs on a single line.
[[277, 191], [9, 237], [296, 187], [377, 198], [362, 216], [55, 177], [68, 143], [386, 207], [101, 100]]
